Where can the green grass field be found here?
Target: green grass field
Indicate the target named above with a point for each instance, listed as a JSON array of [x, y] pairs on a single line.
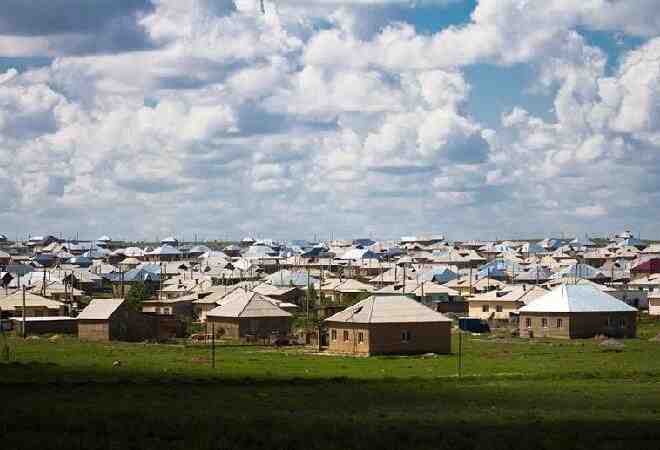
[[514, 393]]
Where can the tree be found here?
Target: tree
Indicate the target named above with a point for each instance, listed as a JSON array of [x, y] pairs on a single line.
[[138, 293]]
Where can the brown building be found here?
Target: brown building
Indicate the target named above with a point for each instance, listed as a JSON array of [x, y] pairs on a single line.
[[389, 325], [44, 325], [498, 306], [35, 305], [577, 311], [113, 320], [247, 315]]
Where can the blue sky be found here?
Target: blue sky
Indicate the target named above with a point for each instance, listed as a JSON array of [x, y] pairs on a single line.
[[357, 117]]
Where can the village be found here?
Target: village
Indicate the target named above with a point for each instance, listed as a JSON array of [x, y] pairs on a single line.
[[347, 297]]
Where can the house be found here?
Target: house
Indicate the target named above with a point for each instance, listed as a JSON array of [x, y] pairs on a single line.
[[286, 294], [248, 315], [498, 306], [163, 253], [654, 303], [46, 325], [113, 320], [129, 263], [441, 298], [467, 287], [178, 306], [577, 311], [349, 291], [5, 258], [149, 274], [35, 305], [388, 325]]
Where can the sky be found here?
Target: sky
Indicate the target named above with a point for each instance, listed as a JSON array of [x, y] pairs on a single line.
[[383, 118]]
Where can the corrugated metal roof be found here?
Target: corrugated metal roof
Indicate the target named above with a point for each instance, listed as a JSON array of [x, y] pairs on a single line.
[[576, 298], [247, 304], [15, 300], [100, 309], [388, 309]]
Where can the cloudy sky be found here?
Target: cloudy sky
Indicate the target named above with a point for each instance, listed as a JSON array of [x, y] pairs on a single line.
[[489, 118]]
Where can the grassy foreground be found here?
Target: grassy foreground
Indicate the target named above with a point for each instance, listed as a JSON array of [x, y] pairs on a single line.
[[514, 394]]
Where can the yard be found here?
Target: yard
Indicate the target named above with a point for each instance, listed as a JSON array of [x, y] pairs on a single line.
[[513, 393]]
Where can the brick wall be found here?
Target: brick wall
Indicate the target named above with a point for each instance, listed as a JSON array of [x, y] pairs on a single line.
[[233, 328], [94, 330], [579, 325], [345, 338], [425, 337], [654, 306], [476, 309], [388, 338]]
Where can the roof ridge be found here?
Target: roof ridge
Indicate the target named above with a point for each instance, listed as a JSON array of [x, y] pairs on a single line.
[[246, 304], [371, 312]]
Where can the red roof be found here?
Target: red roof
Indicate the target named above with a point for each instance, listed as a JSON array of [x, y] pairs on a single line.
[[651, 265]]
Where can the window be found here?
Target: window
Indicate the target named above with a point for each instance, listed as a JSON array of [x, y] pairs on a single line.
[[498, 308], [484, 308], [608, 322], [405, 336], [360, 337], [559, 324], [346, 336], [333, 335], [544, 322], [528, 322], [622, 323], [166, 310]]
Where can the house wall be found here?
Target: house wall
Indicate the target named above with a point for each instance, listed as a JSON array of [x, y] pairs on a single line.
[[262, 327], [538, 330], [38, 311], [94, 330], [654, 306], [456, 307], [475, 309], [579, 325], [385, 339], [337, 343], [425, 337], [48, 326], [238, 328]]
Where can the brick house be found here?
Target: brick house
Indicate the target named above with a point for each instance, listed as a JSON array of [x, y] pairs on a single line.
[[113, 320], [246, 315], [388, 325], [577, 311]]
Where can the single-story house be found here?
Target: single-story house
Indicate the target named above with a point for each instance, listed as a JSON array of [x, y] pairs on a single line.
[[245, 314], [35, 305], [113, 320], [577, 311], [388, 325], [46, 325], [500, 305]]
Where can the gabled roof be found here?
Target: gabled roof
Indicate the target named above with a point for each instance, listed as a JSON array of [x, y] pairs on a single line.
[[387, 309], [352, 285], [247, 304], [429, 287], [15, 301], [575, 299], [100, 309]]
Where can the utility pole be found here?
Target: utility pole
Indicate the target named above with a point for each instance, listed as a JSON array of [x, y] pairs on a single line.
[[460, 354], [24, 322], [212, 344]]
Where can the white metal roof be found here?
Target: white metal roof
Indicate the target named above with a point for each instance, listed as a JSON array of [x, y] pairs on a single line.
[[101, 309], [388, 309], [247, 304], [576, 298]]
